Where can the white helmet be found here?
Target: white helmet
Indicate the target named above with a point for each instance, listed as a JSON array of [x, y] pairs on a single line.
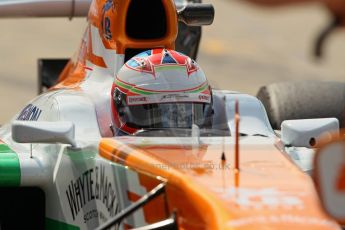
[[158, 89]]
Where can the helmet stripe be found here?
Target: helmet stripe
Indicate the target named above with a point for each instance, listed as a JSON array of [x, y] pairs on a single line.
[[132, 89]]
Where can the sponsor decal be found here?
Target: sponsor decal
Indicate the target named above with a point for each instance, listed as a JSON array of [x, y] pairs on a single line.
[[92, 192], [174, 97], [204, 97], [263, 198], [136, 99], [30, 113], [283, 219], [91, 185], [95, 214], [168, 98], [106, 28], [106, 22]]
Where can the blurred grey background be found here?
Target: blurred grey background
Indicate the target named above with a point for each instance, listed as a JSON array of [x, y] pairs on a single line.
[[245, 48]]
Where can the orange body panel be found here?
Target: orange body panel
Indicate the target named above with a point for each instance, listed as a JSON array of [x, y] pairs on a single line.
[[339, 184], [341, 179], [74, 73], [120, 41], [269, 192]]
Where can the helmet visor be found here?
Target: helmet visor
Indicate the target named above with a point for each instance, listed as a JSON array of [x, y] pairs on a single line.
[[167, 115], [171, 112]]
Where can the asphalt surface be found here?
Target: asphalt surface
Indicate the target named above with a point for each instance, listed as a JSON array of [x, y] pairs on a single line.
[[246, 47]]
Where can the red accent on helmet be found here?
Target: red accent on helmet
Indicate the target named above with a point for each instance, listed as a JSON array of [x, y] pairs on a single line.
[[145, 63]]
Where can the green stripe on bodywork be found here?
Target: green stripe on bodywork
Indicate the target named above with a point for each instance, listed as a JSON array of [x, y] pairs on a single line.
[[57, 225], [5, 149], [9, 167], [85, 154]]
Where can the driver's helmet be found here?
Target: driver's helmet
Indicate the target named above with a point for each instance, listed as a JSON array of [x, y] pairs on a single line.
[[160, 89]]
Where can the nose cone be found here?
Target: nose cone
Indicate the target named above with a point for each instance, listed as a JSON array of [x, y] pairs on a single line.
[[269, 191]]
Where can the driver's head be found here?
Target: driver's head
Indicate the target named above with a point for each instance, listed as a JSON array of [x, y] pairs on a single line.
[[160, 89]]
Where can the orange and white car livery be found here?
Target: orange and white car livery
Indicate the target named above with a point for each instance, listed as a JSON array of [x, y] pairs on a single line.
[[61, 167]]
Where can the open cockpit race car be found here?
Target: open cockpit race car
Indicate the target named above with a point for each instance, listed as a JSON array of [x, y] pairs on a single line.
[[64, 164]]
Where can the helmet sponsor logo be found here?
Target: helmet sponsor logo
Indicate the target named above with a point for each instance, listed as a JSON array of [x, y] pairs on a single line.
[[136, 99], [168, 98], [204, 97], [174, 97]]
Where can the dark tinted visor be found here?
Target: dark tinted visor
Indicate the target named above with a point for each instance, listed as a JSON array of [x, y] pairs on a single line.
[[163, 115]]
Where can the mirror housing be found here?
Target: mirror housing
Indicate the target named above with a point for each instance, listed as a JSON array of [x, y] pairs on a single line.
[[43, 132], [308, 132], [196, 14], [329, 177]]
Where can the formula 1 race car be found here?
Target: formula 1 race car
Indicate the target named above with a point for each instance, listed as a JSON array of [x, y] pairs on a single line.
[[67, 163]]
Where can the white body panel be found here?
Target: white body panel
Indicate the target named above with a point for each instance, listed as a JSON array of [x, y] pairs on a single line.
[[43, 132], [253, 117], [308, 132], [57, 168]]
